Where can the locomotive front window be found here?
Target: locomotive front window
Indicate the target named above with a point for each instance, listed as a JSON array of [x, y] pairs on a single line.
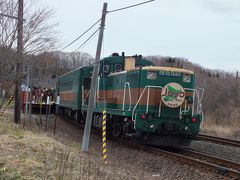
[[87, 83], [106, 69], [151, 75], [187, 78], [118, 67]]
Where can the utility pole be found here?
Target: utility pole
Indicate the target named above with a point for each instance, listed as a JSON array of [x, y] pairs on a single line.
[[92, 97], [17, 111]]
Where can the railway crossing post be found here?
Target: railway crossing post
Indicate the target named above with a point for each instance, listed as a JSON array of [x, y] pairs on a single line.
[[27, 95], [92, 97], [47, 111], [40, 110], [104, 137], [6, 106], [30, 95], [56, 113]]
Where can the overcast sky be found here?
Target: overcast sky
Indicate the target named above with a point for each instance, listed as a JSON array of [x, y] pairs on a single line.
[[206, 32]]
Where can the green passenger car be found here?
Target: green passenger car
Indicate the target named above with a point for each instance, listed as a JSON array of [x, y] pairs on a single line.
[[151, 104]]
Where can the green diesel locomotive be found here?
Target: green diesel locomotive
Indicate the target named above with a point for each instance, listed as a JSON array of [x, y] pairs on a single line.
[[151, 104]]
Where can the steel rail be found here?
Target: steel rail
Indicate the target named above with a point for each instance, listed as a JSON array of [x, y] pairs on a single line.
[[212, 158], [218, 165], [218, 140], [225, 171]]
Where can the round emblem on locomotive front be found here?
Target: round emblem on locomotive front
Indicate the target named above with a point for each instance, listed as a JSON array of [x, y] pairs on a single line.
[[173, 95]]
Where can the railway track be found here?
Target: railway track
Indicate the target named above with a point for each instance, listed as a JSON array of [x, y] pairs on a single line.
[[218, 140], [212, 163], [209, 162], [223, 167]]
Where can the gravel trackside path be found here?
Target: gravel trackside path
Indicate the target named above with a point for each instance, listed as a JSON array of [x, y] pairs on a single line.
[[134, 162]]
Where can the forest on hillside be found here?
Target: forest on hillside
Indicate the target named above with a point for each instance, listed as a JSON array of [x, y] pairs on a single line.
[[43, 68], [220, 100], [44, 63], [221, 96]]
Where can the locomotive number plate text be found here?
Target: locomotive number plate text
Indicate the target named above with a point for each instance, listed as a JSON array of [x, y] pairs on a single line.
[[169, 73]]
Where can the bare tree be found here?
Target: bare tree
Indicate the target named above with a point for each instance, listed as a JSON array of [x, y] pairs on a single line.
[[39, 34], [221, 97]]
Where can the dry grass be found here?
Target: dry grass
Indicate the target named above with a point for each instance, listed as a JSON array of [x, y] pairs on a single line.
[[223, 127], [28, 155]]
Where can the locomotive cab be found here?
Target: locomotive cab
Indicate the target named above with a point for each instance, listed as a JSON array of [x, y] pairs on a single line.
[[157, 105], [168, 105], [116, 64]]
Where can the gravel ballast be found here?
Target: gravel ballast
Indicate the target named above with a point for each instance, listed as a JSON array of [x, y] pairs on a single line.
[[135, 162], [227, 152]]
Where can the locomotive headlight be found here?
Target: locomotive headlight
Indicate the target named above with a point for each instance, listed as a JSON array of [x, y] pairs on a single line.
[[187, 78]]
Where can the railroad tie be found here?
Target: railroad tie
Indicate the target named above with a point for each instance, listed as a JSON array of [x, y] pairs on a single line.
[[104, 137]]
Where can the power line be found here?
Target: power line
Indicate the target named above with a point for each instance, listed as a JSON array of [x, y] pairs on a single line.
[[99, 21], [94, 33], [120, 9], [9, 16], [80, 35], [86, 40]]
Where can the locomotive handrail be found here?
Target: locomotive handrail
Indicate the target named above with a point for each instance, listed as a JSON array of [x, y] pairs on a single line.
[[82, 94], [195, 93], [124, 96], [137, 103], [146, 87], [185, 109], [199, 101], [193, 104], [160, 108]]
